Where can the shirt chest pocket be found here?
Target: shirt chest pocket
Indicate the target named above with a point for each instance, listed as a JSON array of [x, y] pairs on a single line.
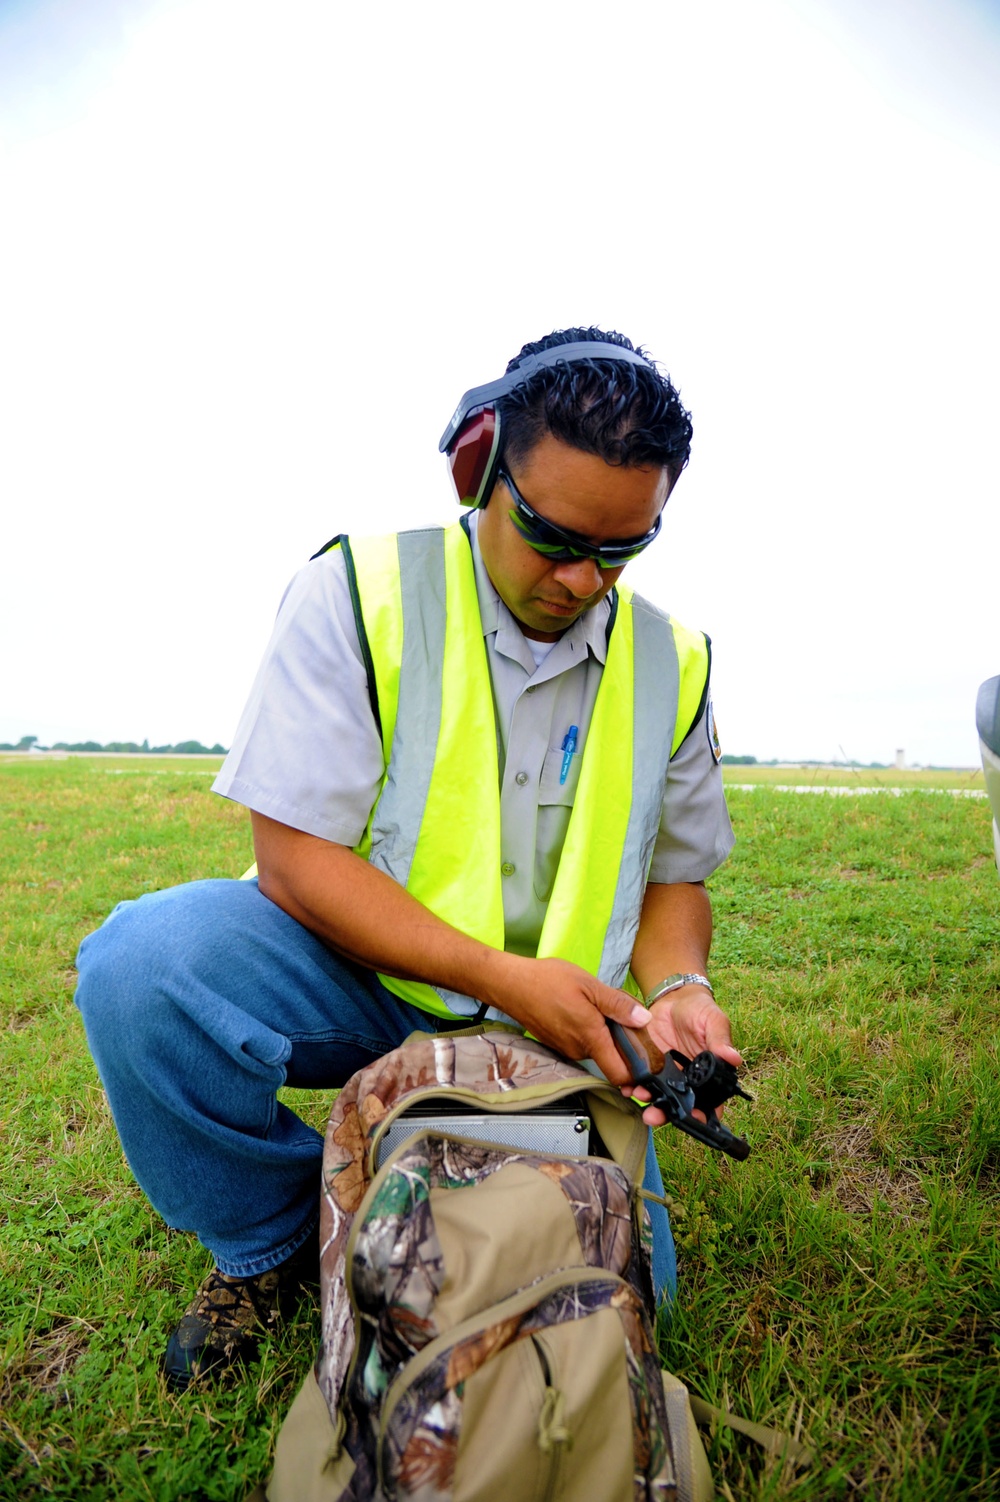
[[555, 804]]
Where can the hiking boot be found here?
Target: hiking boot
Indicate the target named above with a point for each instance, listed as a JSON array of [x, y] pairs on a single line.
[[222, 1326]]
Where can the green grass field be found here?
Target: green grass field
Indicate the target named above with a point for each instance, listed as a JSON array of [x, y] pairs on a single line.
[[962, 780], [842, 1283]]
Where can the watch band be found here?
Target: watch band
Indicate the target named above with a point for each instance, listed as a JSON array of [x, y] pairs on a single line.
[[674, 983]]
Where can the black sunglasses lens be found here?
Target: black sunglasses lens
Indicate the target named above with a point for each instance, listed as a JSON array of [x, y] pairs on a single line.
[[561, 546]]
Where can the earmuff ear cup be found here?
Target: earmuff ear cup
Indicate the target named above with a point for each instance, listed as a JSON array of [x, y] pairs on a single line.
[[474, 456]]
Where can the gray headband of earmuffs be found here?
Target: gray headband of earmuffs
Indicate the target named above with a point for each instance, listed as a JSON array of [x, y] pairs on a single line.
[[484, 396]]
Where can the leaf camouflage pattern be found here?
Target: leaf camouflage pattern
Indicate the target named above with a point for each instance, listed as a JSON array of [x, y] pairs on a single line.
[[406, 1348]]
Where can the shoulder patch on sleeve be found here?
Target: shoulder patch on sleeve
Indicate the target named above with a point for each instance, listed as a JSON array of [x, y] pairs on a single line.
[[713, 732]]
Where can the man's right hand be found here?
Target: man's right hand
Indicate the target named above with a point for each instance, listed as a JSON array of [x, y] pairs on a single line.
[[366, 916], [565, 1008]]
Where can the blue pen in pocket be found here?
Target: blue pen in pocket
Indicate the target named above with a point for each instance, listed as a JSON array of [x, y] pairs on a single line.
[[568, 749]]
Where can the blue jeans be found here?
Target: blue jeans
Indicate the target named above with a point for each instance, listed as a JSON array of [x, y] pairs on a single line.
[[200, 1002]]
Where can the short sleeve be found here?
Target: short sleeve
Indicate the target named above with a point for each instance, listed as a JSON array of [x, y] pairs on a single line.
[[307, 751], [695, 834]]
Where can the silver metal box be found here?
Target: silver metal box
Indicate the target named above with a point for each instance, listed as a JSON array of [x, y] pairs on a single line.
[[545, 1133]]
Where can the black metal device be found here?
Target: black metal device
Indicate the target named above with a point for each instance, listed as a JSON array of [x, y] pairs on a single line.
[[680, 1086]]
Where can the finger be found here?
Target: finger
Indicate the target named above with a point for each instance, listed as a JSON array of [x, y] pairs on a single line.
[[621, 1007], [608, 1060], [725, 1050], [653, 1116], [719, 1039], [635, 1092]]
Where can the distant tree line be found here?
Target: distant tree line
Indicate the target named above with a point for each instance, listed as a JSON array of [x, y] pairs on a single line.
[[182, 748], [795, 761], [195, 748]]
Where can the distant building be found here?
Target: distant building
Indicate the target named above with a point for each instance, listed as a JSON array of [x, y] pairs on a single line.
[[900, 760]]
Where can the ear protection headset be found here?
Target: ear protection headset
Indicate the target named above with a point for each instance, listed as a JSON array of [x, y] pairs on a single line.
[[472, 438]]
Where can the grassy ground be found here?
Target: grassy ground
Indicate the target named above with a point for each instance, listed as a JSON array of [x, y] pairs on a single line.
[[960, 779], [842, 1282]]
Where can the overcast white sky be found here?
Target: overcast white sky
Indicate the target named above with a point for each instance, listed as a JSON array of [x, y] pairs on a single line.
[[251, 255]]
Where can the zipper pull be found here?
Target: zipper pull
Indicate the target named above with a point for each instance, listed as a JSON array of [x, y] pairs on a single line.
[[552, 1430]]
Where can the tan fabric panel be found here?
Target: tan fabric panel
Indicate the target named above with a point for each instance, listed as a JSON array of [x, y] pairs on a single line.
[[497, 1237], [624, 1133], [503, 1400], [506, 1397], [304, 1468]]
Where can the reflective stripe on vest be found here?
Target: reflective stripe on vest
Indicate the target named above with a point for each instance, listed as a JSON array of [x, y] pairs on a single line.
[[435, 827]]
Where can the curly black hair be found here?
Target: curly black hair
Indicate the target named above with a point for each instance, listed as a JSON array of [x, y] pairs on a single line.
[[626, 414]]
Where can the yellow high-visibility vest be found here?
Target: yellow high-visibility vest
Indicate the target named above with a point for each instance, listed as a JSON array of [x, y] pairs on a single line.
[[435, 826]]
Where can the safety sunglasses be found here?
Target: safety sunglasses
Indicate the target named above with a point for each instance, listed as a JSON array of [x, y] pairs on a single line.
[[560, 545]]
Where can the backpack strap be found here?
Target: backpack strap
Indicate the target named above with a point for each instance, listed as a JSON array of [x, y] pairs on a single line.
[[694, 1475], [684, 1412], [774, 1441]]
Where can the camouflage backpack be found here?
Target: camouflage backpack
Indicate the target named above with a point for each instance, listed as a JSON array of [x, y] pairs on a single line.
[[487, 1311]]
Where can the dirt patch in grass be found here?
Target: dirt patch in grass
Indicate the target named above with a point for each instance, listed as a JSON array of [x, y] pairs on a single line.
[[859, 1182], [47, 1361]]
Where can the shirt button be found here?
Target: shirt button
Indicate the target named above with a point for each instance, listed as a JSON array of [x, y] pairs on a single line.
[[521, 779], [531, 688], [507, 869]]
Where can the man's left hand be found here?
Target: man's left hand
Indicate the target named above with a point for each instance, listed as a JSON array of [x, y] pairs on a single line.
[[690, 1021]]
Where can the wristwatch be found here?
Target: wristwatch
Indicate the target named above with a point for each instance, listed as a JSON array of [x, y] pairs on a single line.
[[674, 983]]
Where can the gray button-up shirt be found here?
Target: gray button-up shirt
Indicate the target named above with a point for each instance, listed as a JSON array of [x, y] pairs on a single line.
[[307, 751]]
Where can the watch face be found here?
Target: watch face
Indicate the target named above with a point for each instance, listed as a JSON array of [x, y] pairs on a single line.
[[675, 982]]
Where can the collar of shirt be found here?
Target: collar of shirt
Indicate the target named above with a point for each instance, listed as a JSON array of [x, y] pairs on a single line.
[[588, 634]]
